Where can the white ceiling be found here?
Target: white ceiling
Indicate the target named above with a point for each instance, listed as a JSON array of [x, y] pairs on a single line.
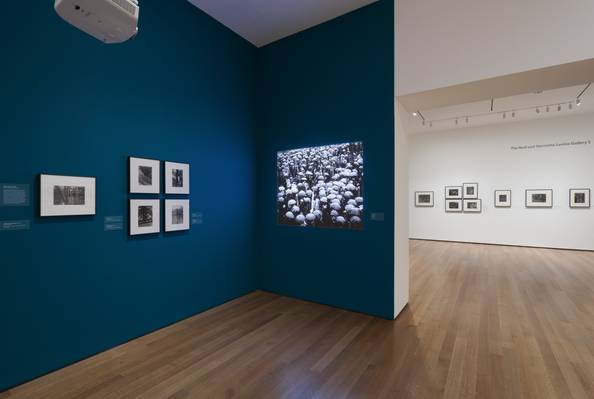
[[265, 21], [551, 103]]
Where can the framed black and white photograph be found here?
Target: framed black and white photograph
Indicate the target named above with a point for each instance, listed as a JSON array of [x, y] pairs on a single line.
[[453, 192], [473, 206], [66, 195], [539, 198], [470, 190], [453, 206], [579, 198], [177, 215], [145, 216], [321, 187], [424, 199], [503, 199], [144, 175], [177, 178]]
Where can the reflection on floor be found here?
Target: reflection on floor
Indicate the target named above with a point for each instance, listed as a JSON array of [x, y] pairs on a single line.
[[483, 322]]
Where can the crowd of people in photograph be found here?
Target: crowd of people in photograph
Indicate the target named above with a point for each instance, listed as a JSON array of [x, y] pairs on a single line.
[[321, 186]]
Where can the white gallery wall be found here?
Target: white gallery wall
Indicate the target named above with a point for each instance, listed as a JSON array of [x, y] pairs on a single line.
[[441, 43], [555, 154]]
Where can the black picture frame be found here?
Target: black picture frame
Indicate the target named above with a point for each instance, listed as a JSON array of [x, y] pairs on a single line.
[[572, 190], [166, 190], [459, 196], [531, 191], [40, 199], [478, 200], [460, 208], [419, 205], [496, 200], [465, 186], [129, 180]]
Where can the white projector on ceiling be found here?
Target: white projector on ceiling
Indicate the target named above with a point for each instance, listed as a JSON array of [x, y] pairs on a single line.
[[110, 21]]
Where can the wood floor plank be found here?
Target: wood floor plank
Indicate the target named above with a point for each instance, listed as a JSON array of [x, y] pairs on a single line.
[[484, 322]]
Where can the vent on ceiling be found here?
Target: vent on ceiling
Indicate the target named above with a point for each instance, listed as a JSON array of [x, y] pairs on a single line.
[[126, 5]]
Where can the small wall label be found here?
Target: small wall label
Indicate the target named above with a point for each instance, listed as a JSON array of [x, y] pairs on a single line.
[[378, 217], [15, 225], [14, 194], [197, 218], [113, 223]]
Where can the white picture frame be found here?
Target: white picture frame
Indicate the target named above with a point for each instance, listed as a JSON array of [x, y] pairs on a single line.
[[470, 190], [144, 176], [145, 216], [539, 198], [453, 205], [579, 198], [177, 215], [453, 192], [503, 199], [424, 199], [473, 205], [177, 178], [66, 195]]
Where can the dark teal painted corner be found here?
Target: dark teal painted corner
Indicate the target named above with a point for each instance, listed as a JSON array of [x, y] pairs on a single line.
[[331, 84]]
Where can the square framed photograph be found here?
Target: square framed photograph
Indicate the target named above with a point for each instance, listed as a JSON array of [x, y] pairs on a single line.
[[539, 198], [144, 175], [66, 195], [579, 198], [503, 198], [145, 216], [453, 192], [177, 215], [470, 190], [453, 205], [473, 206], [321, 187], [177, 178], [424, 199]]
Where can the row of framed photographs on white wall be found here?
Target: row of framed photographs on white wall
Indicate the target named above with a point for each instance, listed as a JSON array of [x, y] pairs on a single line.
[[145, 216], [145, 176], [579, 198]]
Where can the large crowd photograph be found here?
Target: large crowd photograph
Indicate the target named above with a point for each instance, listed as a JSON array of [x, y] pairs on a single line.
[[321, 186]]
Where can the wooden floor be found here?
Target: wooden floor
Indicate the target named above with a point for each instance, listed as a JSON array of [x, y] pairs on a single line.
[[483, 322]]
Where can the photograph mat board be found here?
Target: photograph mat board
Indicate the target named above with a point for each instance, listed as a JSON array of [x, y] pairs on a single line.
[[144, 176], [66, 195], [579, 198], [502, 198], [453, 192], [470, 190], [453, 205], [424, 199], [145, 216], [177, 215], [473, 206], [177, 178], [539, 198]]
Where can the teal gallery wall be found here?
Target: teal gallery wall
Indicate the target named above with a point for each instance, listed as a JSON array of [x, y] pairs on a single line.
[[181, 91], [189, 90], [328, 85]]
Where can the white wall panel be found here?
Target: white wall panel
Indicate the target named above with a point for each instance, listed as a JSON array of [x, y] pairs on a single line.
[[484, 155]]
